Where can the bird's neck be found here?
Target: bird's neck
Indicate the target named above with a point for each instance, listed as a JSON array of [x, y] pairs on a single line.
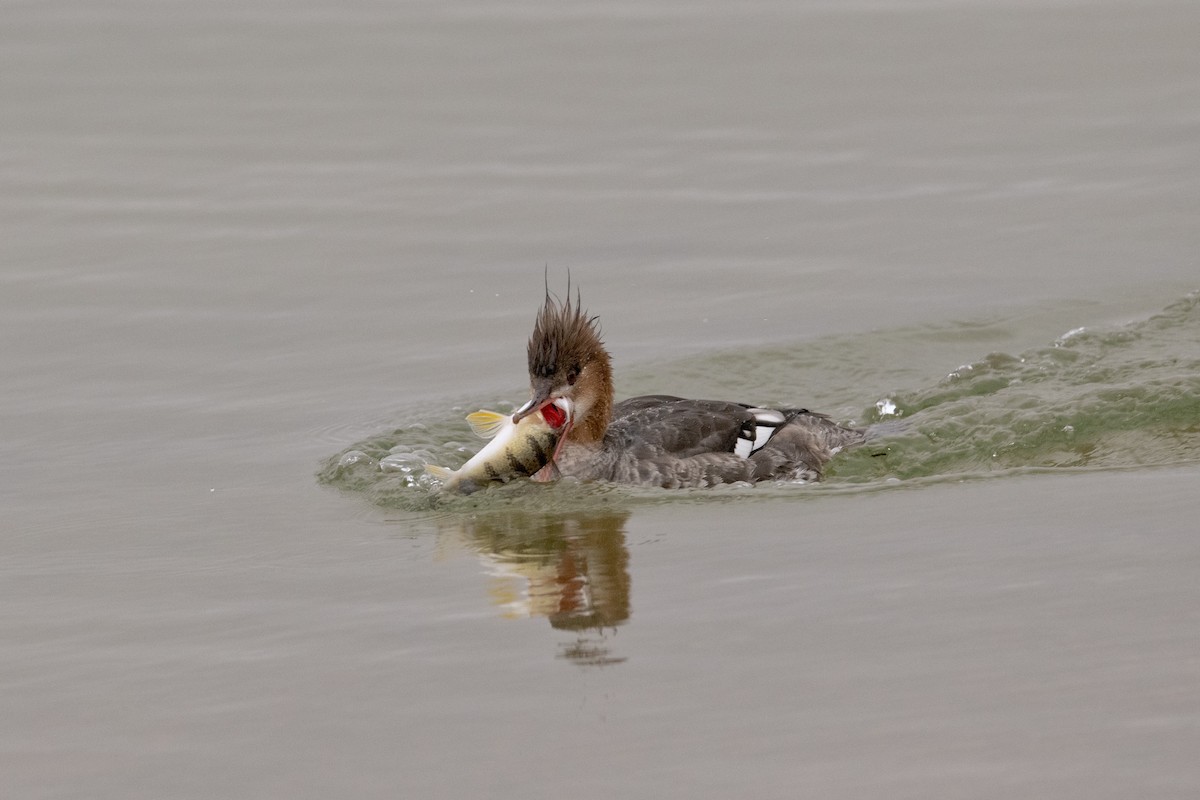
[[593, 401]]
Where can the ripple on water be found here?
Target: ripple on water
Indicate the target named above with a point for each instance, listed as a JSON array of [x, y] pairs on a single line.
[[1091, 399]]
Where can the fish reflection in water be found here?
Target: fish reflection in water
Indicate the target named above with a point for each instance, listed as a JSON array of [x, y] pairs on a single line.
[[572, 569]]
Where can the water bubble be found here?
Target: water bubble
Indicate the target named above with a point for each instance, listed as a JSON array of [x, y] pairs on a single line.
[[405, 463], [1071, 334], [425, 481], [353, 457], [886, 407], [958, 373]]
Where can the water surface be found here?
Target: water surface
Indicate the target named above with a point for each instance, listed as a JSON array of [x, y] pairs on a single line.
[[243, 238]]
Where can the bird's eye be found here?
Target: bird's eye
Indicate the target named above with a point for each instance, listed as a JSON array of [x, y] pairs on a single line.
[[572, 374]]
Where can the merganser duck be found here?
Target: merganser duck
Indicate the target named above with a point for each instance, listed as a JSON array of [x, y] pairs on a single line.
[[659, 440]]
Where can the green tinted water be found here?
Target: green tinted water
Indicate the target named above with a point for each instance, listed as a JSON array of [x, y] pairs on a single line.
[[1110, 398], [1115, 398]]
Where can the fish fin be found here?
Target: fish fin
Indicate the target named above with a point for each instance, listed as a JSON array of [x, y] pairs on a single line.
[[547, 473], [441, 473], [486, 424]]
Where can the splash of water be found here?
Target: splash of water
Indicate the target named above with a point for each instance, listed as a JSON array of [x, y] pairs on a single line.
[[1093, 399], [1114, 398]]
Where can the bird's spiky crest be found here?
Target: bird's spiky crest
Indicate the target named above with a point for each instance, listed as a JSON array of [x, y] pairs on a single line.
[[563, 336]]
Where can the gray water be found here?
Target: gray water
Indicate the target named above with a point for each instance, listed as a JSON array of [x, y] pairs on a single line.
[[242, 239]]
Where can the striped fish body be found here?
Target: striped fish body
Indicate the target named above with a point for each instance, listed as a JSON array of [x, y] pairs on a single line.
[[516, 450]]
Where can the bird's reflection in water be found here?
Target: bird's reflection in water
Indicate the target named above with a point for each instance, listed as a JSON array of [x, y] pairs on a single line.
[[572, 569]]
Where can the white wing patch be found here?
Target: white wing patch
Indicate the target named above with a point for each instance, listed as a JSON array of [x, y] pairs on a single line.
[[757, 432]]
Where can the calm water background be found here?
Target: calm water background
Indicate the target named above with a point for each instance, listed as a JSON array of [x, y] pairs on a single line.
[[239, 237]]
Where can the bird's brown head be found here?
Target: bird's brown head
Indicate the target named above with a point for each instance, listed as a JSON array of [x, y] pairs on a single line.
[[567, 359]]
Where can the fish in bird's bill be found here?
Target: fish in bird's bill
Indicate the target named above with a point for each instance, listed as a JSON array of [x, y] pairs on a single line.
[[517, 449]]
